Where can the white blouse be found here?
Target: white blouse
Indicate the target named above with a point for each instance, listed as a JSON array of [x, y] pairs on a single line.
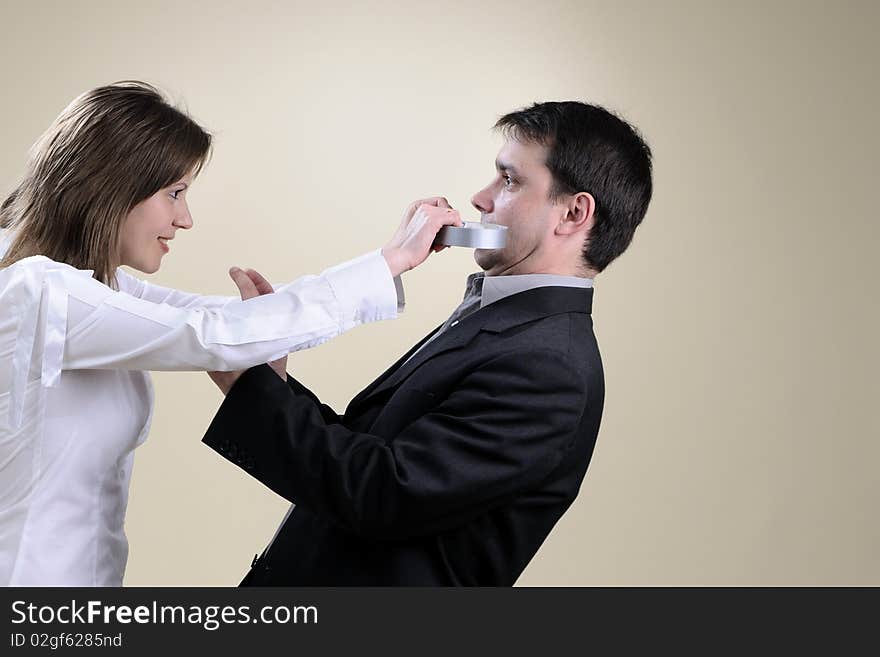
[[75, 399]]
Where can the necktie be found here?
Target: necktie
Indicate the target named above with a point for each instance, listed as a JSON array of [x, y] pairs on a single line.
[[470, 304]]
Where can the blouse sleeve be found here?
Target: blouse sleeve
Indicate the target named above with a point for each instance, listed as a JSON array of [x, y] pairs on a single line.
[[153, 293], [147, 291], [84, 324], [114, 330]]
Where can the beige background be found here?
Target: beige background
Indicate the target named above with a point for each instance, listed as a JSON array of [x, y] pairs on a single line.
[[740, 439]]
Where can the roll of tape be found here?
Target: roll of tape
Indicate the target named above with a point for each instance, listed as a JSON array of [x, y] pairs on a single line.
[[473, 235]]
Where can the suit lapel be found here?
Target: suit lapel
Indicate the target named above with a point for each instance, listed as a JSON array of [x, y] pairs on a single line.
[[454, 337], [504, 314], [366, 392]]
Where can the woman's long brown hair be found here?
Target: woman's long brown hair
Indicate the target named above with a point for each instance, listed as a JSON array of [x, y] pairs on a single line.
[[110, 149]]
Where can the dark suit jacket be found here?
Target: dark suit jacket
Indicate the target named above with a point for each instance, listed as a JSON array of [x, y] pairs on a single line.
[[449, 470]]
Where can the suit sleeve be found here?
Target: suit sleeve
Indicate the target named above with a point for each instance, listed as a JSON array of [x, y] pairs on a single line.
[[327, 413], [503, 430]]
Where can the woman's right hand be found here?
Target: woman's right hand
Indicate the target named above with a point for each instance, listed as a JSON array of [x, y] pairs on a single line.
[[414, 240]]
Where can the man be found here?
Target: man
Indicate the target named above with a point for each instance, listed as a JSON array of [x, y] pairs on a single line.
[[454, 465]]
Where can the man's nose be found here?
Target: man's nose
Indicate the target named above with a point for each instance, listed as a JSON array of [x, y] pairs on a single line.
[[482, 201]]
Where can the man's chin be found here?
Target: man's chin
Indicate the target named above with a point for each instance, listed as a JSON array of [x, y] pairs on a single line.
[[486, 258]]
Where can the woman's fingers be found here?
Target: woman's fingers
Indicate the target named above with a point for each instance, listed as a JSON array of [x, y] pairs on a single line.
[[263, 286], [246, 287]]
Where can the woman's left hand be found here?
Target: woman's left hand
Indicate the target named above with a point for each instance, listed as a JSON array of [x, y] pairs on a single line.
[[250, 283]]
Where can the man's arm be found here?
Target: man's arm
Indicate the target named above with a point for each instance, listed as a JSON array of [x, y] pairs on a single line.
[[503, 430], [330, 416]]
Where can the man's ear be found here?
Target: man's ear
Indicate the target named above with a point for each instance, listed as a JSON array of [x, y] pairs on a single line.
[[579, 215]]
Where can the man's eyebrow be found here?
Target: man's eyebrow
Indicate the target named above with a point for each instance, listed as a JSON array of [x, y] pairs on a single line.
[[504, 166]]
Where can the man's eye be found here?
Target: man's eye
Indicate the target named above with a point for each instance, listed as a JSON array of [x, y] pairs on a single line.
[[508, 180]]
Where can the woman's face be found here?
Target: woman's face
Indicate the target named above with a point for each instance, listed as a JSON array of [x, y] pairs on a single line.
[[152, 223]]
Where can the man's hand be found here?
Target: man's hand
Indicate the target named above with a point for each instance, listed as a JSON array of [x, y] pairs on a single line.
[[250, 284], [414, 240]]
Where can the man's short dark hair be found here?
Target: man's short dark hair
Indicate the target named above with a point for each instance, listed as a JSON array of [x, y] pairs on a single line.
[[591, 150]]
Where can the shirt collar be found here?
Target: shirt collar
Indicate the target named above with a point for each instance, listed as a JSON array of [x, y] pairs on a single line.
[[495, 288]]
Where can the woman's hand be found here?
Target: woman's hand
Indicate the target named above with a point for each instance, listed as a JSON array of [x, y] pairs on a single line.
[[414, 240], [250, 284]]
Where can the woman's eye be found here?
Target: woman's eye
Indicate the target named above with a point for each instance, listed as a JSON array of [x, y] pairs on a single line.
[[176, 194]]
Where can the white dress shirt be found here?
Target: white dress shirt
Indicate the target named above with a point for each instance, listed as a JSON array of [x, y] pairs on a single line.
[[75, 398]]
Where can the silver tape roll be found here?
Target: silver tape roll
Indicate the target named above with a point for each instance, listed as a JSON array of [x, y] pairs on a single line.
[[473, 235]]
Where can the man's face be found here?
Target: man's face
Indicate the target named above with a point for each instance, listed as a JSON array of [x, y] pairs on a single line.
[[519, 197]]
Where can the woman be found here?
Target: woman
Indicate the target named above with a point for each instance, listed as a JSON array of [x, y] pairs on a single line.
[[106, 186]]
